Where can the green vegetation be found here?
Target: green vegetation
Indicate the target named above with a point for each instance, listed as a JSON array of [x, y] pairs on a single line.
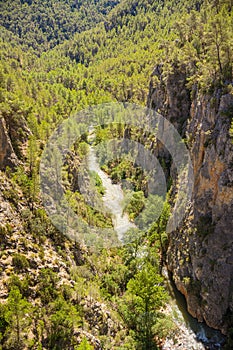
[[85, 345], [135, 204], [43, 26], [17, 320], [97, 182], [58, 57], [20, 262], [145, 294]]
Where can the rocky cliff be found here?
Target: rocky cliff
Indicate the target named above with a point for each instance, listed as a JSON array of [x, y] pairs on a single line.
[[7, 154], [200, 253]]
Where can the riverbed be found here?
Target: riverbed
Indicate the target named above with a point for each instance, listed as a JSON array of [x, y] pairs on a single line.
[[191, 334], [112, 198]]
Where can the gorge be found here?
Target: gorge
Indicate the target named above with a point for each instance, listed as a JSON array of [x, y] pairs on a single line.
[[60, 57]]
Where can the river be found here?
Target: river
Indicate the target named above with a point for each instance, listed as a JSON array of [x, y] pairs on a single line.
[[192, 335], [112, 198]]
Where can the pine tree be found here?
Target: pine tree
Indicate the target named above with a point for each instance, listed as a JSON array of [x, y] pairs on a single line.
[[18, 314]]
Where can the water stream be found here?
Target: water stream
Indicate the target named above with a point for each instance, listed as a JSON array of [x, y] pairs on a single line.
[[193, 335], [112, 197], [197, 335]]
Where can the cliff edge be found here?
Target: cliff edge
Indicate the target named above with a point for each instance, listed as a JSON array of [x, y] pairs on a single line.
[[200, 252]]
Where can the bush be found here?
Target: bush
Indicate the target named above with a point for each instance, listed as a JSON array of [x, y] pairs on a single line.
[[20, 262], [134, 204], [22, 285], [47, 285], [84, 345], [164, 327]]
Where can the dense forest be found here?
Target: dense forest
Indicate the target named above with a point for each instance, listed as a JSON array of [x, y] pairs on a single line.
[[57, 58]]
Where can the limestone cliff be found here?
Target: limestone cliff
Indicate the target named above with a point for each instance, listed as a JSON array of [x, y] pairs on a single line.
[[14, 134], [7, 154], [200, 253]]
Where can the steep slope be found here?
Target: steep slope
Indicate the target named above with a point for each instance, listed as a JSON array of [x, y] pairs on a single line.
[[57, 281], [7, 154], [193, 89], [200, 254], [191, 86]]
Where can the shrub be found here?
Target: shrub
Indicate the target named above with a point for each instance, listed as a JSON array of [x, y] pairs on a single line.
[[20, 262], [84, 345]]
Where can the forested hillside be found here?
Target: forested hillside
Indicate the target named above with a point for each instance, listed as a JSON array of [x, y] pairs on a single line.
[[57, 58], [45, 24]]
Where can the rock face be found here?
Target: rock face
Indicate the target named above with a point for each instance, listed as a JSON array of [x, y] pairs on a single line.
[[7, 154], [14, 135], [200, 253]]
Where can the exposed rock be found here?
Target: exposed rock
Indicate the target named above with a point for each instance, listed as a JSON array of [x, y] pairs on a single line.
[[170, 97], [99, 319], [80, 334], [7, 154], [200, 253]]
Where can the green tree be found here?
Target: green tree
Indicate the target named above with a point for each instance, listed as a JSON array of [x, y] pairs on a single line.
[[145, 295], [18, 313], [47, 285], [62, 321], [134, 203]]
